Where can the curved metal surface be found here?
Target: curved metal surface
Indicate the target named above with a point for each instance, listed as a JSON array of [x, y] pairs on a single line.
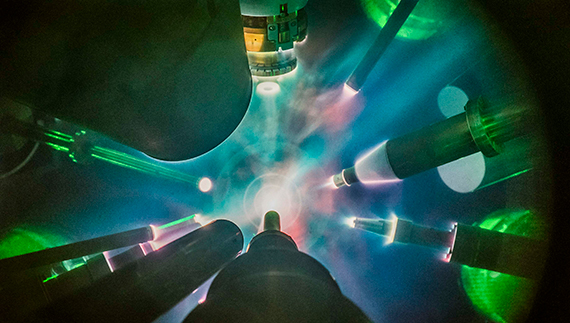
[[170, 79]]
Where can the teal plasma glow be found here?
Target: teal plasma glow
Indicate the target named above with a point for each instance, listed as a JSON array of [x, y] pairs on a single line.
[[502, 297], [173, 223], [429, 16]]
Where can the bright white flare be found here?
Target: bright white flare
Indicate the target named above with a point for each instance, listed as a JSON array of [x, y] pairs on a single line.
[[205, 184], [348, 90], [350, 222], [394, 220]]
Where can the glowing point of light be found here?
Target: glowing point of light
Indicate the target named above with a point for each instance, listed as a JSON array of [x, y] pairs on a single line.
[[350, 221], [272, 191], [201, 219], [202, 300], [205, 184], [394, 220], [273, 198], [348, 90], [268, 88], [330, 183]]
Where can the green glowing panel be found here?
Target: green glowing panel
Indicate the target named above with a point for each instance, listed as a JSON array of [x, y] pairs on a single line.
[[24, 240], [502, 297], [20, 241], [429, 16]]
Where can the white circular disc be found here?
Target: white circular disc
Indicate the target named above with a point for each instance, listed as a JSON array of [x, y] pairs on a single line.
[[451, 101], [465, 174]]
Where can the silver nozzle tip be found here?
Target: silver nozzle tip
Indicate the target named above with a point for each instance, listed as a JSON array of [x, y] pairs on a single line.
[[338, 180]]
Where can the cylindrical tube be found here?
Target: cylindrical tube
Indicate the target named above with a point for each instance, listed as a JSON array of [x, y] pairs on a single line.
[[479, 128], [498, 251], [143, 290], [387, 34], [430, 146], [275, 282], [76, 250], [407, 232], [379, 226]]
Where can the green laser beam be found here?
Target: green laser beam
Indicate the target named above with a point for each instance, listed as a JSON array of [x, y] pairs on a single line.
[[173, 223], [116, 162], [142, 165], [68, 140], [505, 178], [61, 134], [50, 278], [57, 147]]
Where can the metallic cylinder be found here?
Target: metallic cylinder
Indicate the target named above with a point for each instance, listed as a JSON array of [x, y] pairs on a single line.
[[76, 250], [143, 290], [271, 221], [387, 34], [431, 146], [407, 232], [479, 128], [378, 226], [275, 282], [498, 251]]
